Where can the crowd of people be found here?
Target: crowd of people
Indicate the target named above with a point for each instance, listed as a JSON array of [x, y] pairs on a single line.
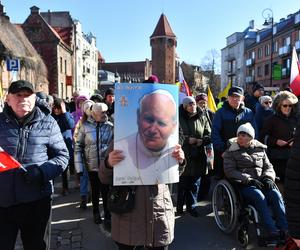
[[254, 139]]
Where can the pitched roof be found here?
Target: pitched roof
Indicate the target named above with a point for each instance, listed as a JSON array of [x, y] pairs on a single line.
[[14, 43], [163, 28]]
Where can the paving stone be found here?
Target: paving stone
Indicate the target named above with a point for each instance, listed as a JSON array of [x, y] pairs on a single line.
[[65, 242], [76, 238], [76, 232], [76, 245]]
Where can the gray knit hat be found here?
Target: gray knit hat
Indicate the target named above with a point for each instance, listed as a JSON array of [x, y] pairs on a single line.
[[247, 128], [187, 100]]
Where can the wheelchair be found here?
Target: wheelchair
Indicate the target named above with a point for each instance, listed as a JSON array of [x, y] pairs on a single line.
[[233, 215]]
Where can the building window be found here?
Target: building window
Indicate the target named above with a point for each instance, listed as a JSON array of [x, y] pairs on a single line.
[[259, 53], [266, 69], [287, 63], [267, 50], [60, 64], [259, 71], [286, 41], [275, 49], [65, 66]]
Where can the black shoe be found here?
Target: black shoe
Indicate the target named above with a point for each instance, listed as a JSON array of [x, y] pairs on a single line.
[[194, 212], [179, 212], [97, 218], [65, 192], [83, 204], [271, 239], [107, 224]]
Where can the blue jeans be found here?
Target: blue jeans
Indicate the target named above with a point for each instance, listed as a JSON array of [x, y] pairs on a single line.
[[263, 200], [84, 183], [188, 187]]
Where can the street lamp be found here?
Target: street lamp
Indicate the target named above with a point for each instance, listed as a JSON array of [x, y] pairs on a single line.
[[268, 16]]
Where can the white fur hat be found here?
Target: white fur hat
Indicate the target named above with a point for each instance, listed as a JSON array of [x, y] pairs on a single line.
[[99, 107], [86, 107], [264, 98], [247, 128]]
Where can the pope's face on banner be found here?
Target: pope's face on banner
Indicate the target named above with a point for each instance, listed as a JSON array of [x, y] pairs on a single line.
[[156, 121]]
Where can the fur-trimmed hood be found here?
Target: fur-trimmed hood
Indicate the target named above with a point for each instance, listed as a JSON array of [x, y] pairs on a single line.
[[234, 146]]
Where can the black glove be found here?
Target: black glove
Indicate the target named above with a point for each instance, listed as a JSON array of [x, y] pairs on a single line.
[[268, 183], [256, 183], [34, 175]]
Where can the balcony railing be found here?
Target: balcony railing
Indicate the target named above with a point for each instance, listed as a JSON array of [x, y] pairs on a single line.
[[230, 57], [284, 50], [85, 54]]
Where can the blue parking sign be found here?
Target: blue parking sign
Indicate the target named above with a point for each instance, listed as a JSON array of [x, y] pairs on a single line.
[[13, 64]]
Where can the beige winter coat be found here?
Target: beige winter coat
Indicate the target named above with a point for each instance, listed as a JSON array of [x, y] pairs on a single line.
[[244, 163], [152, 220]]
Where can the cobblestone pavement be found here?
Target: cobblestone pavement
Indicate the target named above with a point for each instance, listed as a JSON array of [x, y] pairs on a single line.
[[66, 229]]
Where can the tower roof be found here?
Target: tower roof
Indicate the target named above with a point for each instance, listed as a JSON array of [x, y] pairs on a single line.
[[163, 28]]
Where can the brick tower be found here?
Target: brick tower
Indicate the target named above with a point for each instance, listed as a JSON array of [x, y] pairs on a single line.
[[163, 42]]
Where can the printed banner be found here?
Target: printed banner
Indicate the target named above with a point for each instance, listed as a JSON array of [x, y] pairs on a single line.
[[146, 130]]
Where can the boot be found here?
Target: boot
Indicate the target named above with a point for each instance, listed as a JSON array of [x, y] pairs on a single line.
[[97, 218], [83, 202]]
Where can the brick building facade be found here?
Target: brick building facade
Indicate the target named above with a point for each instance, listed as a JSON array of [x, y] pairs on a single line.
[[163, 43], [54, 49]]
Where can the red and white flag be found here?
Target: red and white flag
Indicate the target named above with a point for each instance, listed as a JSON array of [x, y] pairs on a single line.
[[295, 74], [184, 87], [7, 162]]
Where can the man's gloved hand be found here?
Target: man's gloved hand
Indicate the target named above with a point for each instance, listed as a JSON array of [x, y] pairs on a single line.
[[256, 183], [34, 175], [268, 183]]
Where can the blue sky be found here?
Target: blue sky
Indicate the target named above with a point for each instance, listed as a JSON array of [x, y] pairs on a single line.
[[123, 27]]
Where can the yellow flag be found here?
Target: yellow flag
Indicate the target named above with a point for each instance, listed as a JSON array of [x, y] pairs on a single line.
[[211, 101], [224, 92]]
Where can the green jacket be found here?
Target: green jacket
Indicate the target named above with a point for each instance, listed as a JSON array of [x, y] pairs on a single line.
[[196, 126]]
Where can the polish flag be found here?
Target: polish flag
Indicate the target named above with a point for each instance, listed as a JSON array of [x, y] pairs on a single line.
[[7, 162], [295, 74]]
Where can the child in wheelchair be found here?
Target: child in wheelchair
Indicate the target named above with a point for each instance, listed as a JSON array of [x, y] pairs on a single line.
[[246, 162]]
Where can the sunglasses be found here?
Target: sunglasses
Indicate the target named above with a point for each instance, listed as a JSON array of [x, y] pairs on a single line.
[[268, 102], [286, 105]]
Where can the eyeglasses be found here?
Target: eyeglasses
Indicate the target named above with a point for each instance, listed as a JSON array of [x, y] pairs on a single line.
[[286, 105], [268, 102]]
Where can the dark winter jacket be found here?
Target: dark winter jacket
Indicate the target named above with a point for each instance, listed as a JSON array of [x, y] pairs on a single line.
[[66, 123], [196, 126], [251, 102], [36, 143], [278, 126], [260, 116], [245, 163], [292, 188], [226, 122]]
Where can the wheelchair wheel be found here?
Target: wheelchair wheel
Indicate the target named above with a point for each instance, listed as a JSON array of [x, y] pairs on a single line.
[[225, 206], [242, 236]]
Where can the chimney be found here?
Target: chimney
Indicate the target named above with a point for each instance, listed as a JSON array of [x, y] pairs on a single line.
[[35, 10], [2, 11], [251, 24], [49, 17]]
